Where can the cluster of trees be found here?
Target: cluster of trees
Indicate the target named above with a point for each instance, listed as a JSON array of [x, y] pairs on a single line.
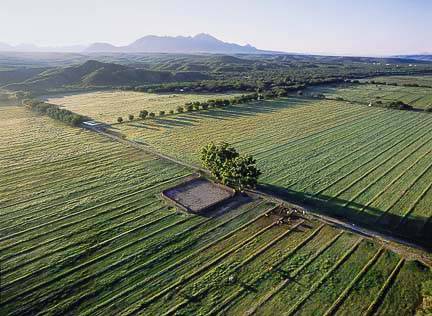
[[54, 112], [408, 84], [399, 105], [229, 167]]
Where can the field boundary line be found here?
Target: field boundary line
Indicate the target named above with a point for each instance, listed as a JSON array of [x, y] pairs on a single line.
[[227, 302], [318, 283], [394, 181], [64, 247], [383, 214], [251, 257], [177, 263], [89, 209], [97, 189], [414, 204], [96, 246], [373, 158], [294, 274], [143, 303], [341, 298], [370, 150], [388, 282], [332, 154], [397, 164]]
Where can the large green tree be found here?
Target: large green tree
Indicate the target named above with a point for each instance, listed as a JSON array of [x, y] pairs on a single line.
[[229, 167]]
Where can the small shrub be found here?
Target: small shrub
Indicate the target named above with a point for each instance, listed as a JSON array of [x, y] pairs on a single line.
[[143, 114], [180, 109], [161, 113], [171, 111], [189, 108], [204, 106], [196, 105], [152, 115], [131, 117], [119, 119]]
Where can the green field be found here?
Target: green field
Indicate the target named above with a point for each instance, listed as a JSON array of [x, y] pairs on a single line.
[[107, 106], [368, 165], [418, 97], [83, 231]]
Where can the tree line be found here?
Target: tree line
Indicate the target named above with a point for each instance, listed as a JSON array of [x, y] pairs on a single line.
[[197, 106], [55, 112]]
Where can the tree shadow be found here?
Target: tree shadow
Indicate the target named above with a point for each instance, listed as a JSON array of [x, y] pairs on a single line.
[[414, 229], [237, 201], [229, 112]]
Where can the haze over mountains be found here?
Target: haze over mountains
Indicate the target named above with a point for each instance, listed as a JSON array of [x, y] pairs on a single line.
[[200, 43]]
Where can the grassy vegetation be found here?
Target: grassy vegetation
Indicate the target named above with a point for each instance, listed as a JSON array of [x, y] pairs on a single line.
[[405, 80], [418, 97], [84, 231], [368, 165], [107, 106]]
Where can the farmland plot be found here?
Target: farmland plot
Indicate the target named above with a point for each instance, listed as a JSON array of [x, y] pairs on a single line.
[[418, 97], [106, 106], [83, 231], [369, 165], [403, 80]]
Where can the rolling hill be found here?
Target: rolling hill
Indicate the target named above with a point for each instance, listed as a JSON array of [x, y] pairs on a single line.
[[98, 74]]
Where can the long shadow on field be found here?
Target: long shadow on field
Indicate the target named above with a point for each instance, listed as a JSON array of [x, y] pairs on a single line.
[[414, 229], [237, 201], [227, 113]]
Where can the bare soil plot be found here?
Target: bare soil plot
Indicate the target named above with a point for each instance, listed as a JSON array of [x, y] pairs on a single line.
[[198, 195]]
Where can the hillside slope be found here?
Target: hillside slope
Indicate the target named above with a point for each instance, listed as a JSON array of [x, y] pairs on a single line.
[[98, 74]]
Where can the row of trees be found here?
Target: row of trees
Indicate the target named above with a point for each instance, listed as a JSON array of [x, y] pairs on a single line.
[[54, 112], [197, 105]]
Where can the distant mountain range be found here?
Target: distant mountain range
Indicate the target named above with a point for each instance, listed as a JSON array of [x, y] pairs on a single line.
[[200, 43], [420, 57]]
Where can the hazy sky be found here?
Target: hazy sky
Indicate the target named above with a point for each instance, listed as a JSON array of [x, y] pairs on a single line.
[[358, 27]]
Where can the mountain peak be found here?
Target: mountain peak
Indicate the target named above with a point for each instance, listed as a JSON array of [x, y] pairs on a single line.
[[205, 36], [200, 43]]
